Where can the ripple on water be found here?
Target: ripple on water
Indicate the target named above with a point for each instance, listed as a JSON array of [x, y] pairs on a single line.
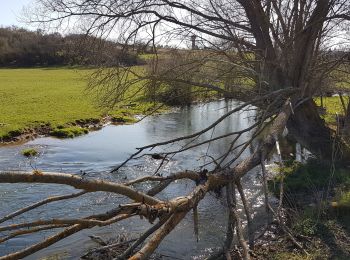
[[98, 152]]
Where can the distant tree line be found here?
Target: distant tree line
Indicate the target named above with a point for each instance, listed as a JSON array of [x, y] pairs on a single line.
[[23, 48]]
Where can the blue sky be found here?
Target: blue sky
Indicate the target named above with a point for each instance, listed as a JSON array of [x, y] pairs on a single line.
[[11, 10]]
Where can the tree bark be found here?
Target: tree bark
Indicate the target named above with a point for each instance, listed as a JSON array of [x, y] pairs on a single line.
[[309, 129], [347, 121]]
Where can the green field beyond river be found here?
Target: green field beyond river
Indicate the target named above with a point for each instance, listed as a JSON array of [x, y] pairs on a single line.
[[55, 96]]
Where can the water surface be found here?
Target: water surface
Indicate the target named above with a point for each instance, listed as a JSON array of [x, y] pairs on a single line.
[[98, 152]]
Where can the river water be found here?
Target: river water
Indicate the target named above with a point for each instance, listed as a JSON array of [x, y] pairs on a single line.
[[98, 152]]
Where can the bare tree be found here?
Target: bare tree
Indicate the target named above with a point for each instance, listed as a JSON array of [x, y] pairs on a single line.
[[276, 44], [270, 54]]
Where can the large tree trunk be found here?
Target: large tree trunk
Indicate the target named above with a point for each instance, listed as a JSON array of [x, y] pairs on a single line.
[[309, 129], [346, 130]]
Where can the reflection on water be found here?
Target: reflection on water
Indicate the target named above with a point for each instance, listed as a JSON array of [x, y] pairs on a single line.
[[98, 152]]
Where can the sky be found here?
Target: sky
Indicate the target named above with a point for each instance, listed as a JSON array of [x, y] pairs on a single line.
[[10, 12]]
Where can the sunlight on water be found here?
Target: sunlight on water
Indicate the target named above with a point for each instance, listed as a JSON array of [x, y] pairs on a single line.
[[98, 152]]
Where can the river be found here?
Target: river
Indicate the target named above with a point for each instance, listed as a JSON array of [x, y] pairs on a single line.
[[98, 152]]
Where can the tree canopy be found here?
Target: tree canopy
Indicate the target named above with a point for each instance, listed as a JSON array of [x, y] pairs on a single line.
[[22, 48]]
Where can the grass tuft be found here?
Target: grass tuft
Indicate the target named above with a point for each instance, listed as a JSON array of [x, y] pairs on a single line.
[[69, 132], [123, 119], [30, 152]]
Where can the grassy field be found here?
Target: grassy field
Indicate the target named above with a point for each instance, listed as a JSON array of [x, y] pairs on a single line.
[[55, 96], [333, 106]]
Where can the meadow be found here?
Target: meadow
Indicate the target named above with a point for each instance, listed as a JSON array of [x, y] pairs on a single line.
[[333, 106], [57, 97], [54, 97]]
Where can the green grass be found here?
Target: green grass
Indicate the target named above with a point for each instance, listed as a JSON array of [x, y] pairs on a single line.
[[29, 97], [327, 224], [343, 78], [30, 152], [341, 201], [148, 56], [55, 97], [333, 106], [69, 132], [314, 255], [307, 177], [344, 200]]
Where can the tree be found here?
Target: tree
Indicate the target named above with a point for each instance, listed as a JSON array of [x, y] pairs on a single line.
[[20, 47], [279, 44], [270, 54]]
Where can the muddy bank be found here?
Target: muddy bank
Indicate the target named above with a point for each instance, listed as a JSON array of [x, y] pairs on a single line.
[[69, 130]]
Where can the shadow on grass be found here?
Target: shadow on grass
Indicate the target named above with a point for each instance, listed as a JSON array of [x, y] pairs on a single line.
[[335, 234]]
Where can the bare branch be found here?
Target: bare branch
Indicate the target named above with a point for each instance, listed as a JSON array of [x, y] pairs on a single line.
[[76, 182], [40, 203]]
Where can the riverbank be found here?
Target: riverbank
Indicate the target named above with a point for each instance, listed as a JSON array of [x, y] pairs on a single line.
[[54, 102], [68, 130], [317, 211]]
